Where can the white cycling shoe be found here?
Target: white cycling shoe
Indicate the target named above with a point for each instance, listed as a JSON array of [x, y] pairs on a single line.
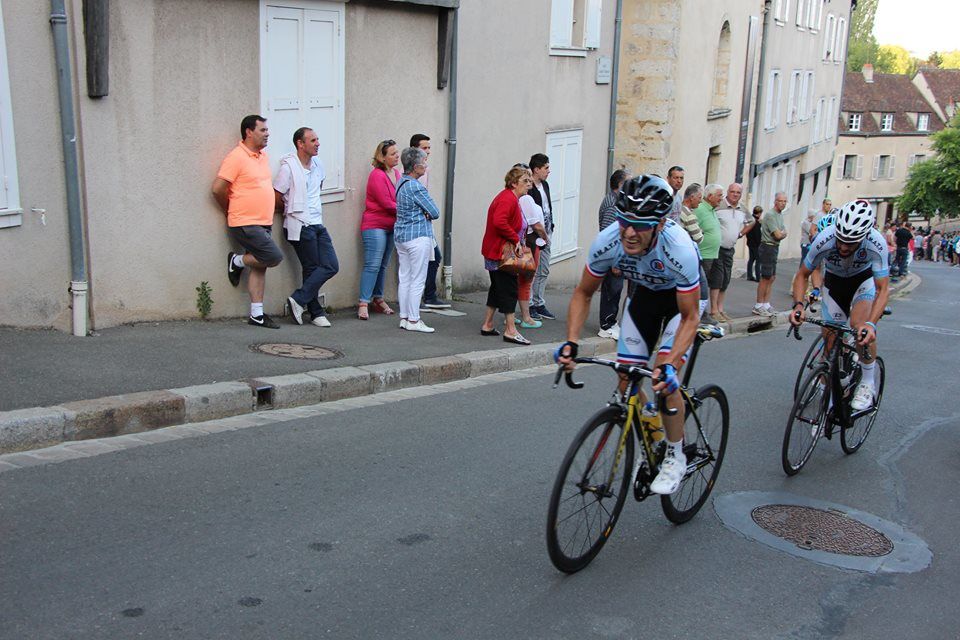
[[670, 476], [862, 397]]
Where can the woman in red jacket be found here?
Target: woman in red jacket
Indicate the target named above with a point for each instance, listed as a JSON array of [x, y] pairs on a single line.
[[504, 224]]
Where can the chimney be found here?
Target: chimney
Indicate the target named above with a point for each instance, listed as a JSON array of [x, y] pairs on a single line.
[[867, 72]]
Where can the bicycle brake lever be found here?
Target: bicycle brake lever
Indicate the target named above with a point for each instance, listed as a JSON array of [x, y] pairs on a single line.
[[662, 404], [568, 378], [556, 378]]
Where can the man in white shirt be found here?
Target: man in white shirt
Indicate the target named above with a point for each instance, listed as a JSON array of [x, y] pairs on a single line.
[[298, 185], [734, 224]]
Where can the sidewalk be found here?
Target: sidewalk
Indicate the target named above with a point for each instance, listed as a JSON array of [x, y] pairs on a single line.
[[125, 379]]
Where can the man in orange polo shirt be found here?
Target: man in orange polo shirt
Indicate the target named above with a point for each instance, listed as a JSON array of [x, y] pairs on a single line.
[[244, 190]]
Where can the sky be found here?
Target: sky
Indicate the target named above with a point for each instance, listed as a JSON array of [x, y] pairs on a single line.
[[920, 26]]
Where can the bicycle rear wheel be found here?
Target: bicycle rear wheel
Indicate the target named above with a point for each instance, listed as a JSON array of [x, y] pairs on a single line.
[[806, 422], [705, 433], [855, 433], [585, 504], [809, 361]]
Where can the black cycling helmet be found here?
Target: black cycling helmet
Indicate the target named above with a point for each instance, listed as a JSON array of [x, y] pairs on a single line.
[[645, 197]]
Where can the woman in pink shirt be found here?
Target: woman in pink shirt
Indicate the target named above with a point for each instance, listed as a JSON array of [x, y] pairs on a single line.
[[376, 227]]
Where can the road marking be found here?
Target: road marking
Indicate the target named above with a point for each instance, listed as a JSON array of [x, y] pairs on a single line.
[[937, 330]]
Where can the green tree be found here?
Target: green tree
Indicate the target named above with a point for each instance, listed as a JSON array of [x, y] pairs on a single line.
[[934, 184], [935, 59], [892, 58], [950, 59], [861, 52], [862, 46]]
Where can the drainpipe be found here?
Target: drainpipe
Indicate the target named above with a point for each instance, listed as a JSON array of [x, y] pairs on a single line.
[[611, 140], [757, 125], [78, 264], [451, 166]]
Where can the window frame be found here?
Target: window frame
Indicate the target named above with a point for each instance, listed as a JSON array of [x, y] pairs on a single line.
[[814, 16], [793, 98], [559, 192], [589, 14], [925, 118], [840, 44], [850, 122], [771, 118], [781, 11], [828, 38], [883, 119], [12, 214]]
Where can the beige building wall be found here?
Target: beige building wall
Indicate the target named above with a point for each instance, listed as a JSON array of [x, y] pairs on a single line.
[[36, 272], [796, 156], [512, 93], [882, 188]]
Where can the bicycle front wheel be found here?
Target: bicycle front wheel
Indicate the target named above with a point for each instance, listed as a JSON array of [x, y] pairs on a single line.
[[589, 491], [806, 422], [855, 432], [705, 433], [809, 361]]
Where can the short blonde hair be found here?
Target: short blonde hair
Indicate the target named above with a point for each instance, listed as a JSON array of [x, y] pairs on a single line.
[[514, 176], [380, 154]]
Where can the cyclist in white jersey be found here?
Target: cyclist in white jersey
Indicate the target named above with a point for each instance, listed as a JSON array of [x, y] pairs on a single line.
[[856, 285], [659, 257]]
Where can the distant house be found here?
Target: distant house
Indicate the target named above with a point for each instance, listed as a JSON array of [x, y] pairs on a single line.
[[941, 88], [884, 128]]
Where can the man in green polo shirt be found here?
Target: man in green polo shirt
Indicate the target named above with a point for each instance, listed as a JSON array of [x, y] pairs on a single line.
[[710, 245]]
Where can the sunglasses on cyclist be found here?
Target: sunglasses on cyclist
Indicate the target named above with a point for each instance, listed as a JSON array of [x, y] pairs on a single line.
[[638, 225]]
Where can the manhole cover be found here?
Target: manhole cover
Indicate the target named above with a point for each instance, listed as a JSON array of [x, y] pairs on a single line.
[[821, 530], [939, 330], [299, 351]]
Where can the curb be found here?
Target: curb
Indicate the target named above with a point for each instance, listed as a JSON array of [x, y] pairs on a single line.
[[35, 428]]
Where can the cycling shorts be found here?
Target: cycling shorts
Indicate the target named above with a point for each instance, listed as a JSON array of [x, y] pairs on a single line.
[[840, 294], [650, 316]]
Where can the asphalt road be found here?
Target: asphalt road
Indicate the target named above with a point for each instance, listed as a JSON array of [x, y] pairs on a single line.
[[424, 518]]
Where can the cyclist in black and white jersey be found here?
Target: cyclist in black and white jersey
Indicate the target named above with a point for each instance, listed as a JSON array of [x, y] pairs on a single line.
[[855, 285], [659, 257]]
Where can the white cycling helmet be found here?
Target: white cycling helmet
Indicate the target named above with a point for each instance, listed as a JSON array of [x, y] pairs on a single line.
[[854, 221]]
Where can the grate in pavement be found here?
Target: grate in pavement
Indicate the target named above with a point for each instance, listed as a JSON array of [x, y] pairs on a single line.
[[298, 351], [822, 530]]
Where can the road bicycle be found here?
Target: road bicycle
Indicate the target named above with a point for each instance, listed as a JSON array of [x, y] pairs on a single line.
[[822, 400], [598, 469]]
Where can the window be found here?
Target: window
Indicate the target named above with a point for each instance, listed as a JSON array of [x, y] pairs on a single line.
[[815, 134], [814, 15], [302, 81], [923, 121], [886, 122], [806, 97], [565, 148], [802, 8], [793, 98], [840, 45], [721, 75], [883, 167], [772, 114], [10, 214], [574, 26], [852, 167], [915, 158], [828, 36], [853, 122], [830, 122], [781, 11]]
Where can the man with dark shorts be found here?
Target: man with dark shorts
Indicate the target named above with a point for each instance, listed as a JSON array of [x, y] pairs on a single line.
[[772, 233], [244, 190], [734, 224]]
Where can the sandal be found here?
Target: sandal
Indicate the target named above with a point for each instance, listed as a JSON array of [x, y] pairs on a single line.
[[491, 332], [362, 311], [517, 339], [380, 305]]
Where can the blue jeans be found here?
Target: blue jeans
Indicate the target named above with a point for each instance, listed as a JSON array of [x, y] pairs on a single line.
[[899, 267], [377, 247], [319, 261], [430, 286]]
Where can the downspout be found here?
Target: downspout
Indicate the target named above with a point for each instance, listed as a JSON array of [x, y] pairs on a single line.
[[78, 264], [756, 113], [612, 138], [451, 167]]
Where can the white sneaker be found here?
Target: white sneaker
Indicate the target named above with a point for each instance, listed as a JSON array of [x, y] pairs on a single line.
[[418, 326], [295, 310], [403, 323], [671, 473], [320, 321], [757, 311], [862, 397], [613, 333], [771, 311]]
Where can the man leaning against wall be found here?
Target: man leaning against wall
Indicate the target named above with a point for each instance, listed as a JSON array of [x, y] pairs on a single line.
[[244, 190]]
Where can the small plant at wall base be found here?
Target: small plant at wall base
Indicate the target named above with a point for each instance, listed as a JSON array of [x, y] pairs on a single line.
[[204, 300]]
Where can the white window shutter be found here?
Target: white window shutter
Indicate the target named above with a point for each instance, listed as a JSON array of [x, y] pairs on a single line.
[[591, 39], [800, 13], [859, 171], [561, 23], [890, 167], [839, 161], [876, 168], [791, 99], [768, 112], [779, 106]]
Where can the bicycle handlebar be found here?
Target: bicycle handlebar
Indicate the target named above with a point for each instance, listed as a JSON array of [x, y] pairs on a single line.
[[632, 371]]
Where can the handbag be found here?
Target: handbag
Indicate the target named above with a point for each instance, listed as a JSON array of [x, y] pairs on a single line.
[[518, 264]]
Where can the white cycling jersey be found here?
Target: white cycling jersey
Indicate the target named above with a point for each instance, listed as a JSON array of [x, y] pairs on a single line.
[[871, 254], [673, 262]]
